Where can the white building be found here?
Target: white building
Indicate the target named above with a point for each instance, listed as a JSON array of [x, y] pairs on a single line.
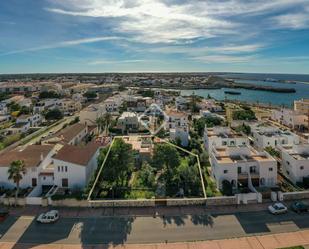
[[243, 165], [74, 166], [219, 136], [267, 136], [136, 104], [33, 119], [175, 119], [302, 106], [68, 106], [71, 135], [90, 114], [35, 157], [45, 104], [181, 103], [128, 121], [19, 128], [295, 162], [112, 104], [180, 133], [3, 108], [210, 105], [290, 118]]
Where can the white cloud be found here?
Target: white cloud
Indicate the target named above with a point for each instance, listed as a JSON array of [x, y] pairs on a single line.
[[64, 44], [155, 21], [206, 50], [98, 62], [293, 21], [224, 59]]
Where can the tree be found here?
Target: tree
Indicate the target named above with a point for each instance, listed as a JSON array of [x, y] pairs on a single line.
[[16, 171], [272, 151], [49, 95], [14, 107], [54, 114], [244, 128], [199, 124], [227, 188], [245, 114], [165, 156], [119, 165], [104, 122], [90, 95], [24, 110], [146, 175]]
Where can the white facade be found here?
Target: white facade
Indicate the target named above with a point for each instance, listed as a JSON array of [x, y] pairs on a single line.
[[181, 103], [223, 136], [90, 114], [242, 164], [175, 119], [290, 118], [34, 120], [31, 178], [273, 137], [46, 104], [180, 133], [73, 175], [3, 108], [295, 162], [112, 104], [68, 106], [128, 121]]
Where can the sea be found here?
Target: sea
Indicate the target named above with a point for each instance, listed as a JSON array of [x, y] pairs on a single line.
[[300, 84]]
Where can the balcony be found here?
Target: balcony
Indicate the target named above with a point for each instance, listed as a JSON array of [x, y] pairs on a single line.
[[244, 175]]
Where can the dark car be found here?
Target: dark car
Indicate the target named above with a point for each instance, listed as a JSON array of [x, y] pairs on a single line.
[[299, 207], [3, 214]]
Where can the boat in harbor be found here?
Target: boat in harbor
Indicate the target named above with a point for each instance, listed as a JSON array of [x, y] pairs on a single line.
[[232, 92]]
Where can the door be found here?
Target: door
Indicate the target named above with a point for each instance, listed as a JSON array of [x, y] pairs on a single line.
[[34, 182], [65, 182]]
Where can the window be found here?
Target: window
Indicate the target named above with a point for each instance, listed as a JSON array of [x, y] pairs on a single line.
[[58, 168], [65, 182], [301, 167], [253, 169], [225, 171], [224, 143], [239, 170], [66, 168], [61, 168], [270, 169]]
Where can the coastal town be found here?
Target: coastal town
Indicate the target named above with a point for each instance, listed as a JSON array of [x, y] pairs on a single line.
[[101, 142]]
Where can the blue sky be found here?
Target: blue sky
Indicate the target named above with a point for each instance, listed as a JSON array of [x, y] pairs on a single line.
[[154, 35]]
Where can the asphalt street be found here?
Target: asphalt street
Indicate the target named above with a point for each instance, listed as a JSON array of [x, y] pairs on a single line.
[[119, 230]]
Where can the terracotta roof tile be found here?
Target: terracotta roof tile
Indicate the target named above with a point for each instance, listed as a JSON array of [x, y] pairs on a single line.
[[31, 155]]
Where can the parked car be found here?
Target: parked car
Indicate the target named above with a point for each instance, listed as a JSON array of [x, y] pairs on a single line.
[[49, 217], [3, 214], [277, 208], [299, 207]]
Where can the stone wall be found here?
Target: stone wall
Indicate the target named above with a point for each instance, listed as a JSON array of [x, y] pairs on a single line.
[[295, 195], [221, 201], [185, 202]]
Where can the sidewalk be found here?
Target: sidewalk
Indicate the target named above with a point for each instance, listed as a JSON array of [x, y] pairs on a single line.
[[255, 242], [138, 211]]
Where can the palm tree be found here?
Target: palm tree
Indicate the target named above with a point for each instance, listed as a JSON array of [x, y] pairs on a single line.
[[16, 171], [107, 117], [100, 123]]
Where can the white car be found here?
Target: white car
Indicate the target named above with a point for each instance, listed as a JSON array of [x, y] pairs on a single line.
[[49, 217], [277, 208]]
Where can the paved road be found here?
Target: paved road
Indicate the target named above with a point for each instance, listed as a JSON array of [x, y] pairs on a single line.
[[118, 230]]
